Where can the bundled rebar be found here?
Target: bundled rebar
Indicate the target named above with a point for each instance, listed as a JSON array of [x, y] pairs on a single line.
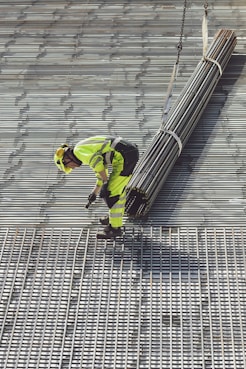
[[156, 163]]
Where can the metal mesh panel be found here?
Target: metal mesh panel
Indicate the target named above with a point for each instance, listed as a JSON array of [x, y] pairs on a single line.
[[157, 298]]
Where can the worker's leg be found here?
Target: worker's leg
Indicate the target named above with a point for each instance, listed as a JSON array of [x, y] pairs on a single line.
[[118, 180], [117, 199]]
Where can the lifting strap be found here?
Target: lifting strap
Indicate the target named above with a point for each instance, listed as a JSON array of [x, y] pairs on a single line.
[[174, 74], [205, 37]]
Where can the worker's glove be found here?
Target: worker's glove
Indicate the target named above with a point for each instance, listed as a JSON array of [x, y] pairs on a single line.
[[91, 198], [104, 191]]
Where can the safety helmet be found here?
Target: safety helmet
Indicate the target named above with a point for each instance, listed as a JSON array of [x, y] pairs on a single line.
[[58, 159]]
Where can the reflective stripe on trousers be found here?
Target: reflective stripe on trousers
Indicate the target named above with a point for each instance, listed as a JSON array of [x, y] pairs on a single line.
[[117, 211], [116, 187]]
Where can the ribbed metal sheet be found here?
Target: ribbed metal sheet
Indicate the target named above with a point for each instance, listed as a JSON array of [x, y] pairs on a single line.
[[72, 69], [158, 298]]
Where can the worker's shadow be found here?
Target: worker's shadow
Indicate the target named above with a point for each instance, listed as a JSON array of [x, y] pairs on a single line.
[[166, 202], [154, 258]]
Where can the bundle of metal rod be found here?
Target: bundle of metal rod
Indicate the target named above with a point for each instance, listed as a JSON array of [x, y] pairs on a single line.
[[156, 163]]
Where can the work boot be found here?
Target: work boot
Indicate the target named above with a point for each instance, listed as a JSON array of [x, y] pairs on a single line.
[[104, 220], [108, 233]]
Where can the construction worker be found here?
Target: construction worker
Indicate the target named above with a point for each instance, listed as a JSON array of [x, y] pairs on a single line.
[[98, 152]]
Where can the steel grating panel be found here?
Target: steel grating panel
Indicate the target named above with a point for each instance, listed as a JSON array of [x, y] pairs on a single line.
[[157, 298]]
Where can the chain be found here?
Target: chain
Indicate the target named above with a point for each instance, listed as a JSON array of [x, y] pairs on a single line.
[[206, 7], [205, 28], [180, 44]]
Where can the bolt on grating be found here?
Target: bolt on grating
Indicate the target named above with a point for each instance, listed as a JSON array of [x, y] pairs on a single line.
[[157, 298]]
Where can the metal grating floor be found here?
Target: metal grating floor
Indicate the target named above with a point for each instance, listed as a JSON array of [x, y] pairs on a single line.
[[158, 298]]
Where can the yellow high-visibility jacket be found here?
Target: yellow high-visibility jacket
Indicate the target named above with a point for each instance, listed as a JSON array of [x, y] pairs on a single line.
[[98, 152]]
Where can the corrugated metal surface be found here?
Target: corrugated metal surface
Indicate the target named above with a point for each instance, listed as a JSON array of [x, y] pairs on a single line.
[[70, 70], [159, 298]]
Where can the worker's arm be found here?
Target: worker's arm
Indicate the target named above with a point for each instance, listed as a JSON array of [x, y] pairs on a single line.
[[104, 178], [104, 175]]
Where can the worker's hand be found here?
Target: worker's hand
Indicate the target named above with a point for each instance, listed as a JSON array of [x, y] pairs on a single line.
[[104, 190], [92, 197]]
